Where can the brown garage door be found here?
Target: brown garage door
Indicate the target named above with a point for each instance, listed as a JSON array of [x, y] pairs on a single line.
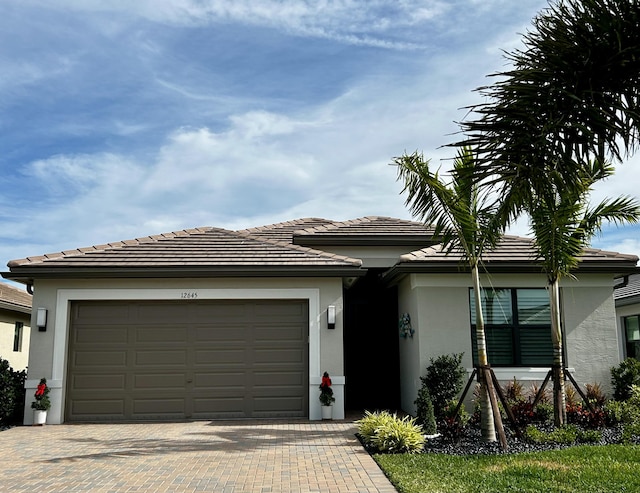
[[148, 360]]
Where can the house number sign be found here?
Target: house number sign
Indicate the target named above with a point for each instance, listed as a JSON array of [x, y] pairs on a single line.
[[189, 295]]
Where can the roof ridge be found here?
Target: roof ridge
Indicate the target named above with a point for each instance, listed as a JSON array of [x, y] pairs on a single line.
[[283, 224], [291, 246]]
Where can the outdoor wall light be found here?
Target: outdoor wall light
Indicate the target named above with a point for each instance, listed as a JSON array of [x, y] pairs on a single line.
[[41, 319], [331, 317]]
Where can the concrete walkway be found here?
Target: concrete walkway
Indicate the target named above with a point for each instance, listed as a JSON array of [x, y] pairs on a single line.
[[246, 456]]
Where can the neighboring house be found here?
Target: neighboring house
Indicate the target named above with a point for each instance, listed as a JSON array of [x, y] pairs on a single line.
[[209, 323], [15, 322], [627, 299]]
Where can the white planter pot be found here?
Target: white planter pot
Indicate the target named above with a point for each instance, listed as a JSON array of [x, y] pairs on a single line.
[[39, 417], [327, 412]]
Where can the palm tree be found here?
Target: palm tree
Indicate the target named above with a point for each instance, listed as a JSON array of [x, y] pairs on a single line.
[[563, 224], [571, 96], [466, 224]]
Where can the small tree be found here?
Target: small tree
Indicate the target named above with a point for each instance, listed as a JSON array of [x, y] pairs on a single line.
[[444, 380]]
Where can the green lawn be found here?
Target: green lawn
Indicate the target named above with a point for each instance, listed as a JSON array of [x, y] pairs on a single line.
[[583, 469]]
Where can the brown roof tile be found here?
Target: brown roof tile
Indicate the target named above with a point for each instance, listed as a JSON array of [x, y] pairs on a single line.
[[205, 247], [514, 250], [11, 296], [284, 231]]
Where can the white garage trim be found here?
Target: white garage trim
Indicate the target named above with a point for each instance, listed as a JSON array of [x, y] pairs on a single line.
[[62, 321]]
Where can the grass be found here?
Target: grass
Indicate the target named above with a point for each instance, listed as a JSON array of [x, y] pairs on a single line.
[[582, 469]]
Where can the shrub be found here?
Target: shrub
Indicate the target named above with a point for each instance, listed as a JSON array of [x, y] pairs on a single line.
[[628, 414], [533, 391], [513, 391], [425, 415], [387, 433], [586, 418], [444, 379], [565, 435], [12, 394], [543, 412], [452, 426], [523, 412], [623, 377], [595, 395]]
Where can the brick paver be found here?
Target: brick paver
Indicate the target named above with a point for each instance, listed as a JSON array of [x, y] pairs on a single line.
[[293, 456]]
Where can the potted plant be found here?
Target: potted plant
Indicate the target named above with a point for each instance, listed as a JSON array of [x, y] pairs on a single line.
[[326, 396], [41, 404]]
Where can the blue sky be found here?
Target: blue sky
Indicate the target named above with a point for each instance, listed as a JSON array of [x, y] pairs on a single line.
[[122, 119]]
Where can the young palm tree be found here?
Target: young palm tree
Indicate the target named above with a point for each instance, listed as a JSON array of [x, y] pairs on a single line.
[[563, 224], [466, 224]]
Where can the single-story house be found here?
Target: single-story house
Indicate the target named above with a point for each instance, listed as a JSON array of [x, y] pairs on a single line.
[[15, 320], [627, 300], [209, 323]]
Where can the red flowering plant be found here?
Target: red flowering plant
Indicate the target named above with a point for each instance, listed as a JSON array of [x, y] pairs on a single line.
[[326, 393], [41, 402]]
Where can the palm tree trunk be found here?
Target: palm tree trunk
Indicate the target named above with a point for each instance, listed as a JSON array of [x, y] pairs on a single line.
[[486, 411], [559, 407]]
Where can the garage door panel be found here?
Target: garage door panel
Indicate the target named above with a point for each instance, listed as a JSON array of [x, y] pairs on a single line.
[[112, 335], [159, 406], [90, 408], [280, 333], [275, 404], [195, 359], [221, 313], [221, 356], [229, 334], [161, 357], [219, 380], [103, 382], [279, 379], [278, 356], [99, 311], [158, 335], [93, 359], [166, 381]]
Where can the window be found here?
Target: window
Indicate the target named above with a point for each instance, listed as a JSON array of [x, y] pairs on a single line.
[[517, 326], [17, 337], [632, 336]]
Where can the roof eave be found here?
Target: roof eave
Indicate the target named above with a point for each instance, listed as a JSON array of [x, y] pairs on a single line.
[[615, 268], [27, 275]]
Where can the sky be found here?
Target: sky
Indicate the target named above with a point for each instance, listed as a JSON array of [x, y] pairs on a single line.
[[123, 119]]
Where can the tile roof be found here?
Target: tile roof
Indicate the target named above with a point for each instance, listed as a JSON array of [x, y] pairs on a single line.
[[370, 229], [193, 248], [14, 298], [631, 290], [284, 231], [515, 251], [287, 248]]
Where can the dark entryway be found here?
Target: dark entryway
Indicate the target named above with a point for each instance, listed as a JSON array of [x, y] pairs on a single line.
[[371, 345]]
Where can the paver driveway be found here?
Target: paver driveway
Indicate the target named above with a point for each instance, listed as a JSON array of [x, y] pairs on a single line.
[[246, 456]]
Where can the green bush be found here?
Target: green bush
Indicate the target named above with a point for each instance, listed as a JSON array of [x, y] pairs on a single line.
[[567, 435], [444, 380], [386, 433], [623, 377], [626, 413], [425, 415], [12, 394]]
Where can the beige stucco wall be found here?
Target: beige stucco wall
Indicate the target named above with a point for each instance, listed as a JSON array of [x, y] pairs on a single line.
[[439, 309], [592, 337], [49, 349], [17, 359]]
